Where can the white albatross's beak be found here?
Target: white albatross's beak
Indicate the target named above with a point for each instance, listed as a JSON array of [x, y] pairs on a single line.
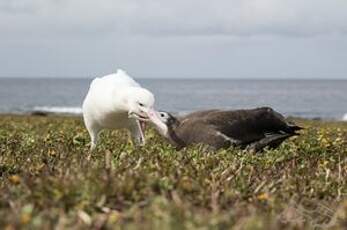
[[153, 117], [137, 116], [140, 122]]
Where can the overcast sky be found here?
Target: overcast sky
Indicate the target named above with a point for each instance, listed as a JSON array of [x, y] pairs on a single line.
[[174, 39]]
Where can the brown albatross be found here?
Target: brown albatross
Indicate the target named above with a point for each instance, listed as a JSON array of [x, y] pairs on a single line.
[[253, 129]]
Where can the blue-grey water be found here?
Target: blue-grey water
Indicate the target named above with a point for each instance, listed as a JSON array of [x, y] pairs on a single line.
[[306, 98]]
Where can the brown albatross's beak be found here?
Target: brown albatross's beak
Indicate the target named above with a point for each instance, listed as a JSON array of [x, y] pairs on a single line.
[[159, 125]]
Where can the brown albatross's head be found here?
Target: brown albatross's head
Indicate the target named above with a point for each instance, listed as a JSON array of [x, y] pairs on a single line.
[[168, 128], [168, 119]]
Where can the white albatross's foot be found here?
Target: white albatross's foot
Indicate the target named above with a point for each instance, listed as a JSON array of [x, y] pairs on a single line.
[[92, 147]]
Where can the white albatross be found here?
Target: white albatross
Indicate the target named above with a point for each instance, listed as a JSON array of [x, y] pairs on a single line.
[[116, 101]]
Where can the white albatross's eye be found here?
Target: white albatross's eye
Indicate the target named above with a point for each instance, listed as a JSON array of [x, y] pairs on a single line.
[[140, 104]]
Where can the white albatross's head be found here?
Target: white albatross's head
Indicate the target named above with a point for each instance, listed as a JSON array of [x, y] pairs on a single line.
[[140, 105]]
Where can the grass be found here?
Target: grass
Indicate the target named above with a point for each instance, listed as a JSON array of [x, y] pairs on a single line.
[[49, 180]]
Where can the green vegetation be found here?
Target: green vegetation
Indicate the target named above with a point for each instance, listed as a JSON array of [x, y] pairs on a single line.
[[48, 179]]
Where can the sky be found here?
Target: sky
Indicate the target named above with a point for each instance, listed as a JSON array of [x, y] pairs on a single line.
[[174, 39]]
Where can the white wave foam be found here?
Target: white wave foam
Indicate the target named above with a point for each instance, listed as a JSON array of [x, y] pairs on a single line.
[[58, 109], [344, 118]]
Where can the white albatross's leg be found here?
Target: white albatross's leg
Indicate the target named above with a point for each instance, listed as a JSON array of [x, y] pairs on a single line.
[[137, 135], [93, 139], [93, 130]]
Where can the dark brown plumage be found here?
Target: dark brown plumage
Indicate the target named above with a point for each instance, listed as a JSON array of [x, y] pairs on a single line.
[[251, 128]]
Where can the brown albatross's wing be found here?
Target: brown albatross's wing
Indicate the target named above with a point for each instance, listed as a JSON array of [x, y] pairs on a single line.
[[241, 128], [251, 125], [271, 141], [197, 115], [235, 125], [197, 132]]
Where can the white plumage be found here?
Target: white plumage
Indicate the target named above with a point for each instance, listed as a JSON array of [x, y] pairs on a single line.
[[116, 101]]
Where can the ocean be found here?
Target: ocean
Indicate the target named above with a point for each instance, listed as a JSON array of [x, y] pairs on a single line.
[[325, 99]]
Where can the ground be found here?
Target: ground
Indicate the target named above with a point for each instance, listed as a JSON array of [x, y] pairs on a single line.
[[48, 179]]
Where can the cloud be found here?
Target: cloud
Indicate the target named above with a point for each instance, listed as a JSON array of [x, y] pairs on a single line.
[[173, 18], [180, 38]]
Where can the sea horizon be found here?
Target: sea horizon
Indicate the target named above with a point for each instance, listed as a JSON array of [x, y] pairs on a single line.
[[307, 98]]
